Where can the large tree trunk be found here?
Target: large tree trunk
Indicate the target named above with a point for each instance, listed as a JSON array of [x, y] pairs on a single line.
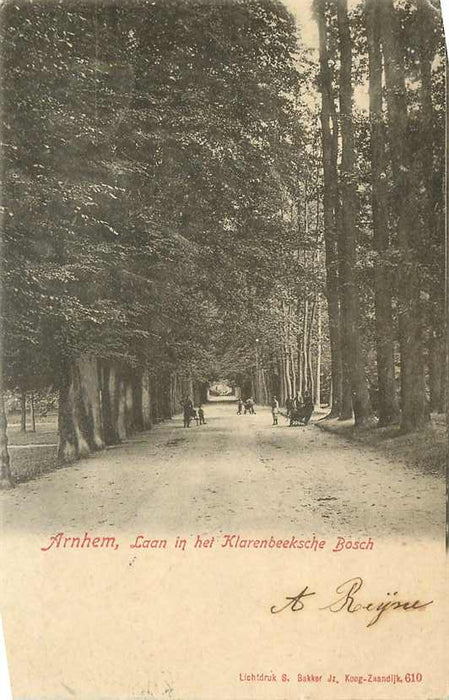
[[109, 402], [436, 372], [388, 403], [137, 400], [305, 333], [352, 351], [317, 397], [346, 410], [329, 133], [446, 295], [310, 377], [146, 401], [79, 422], [283, 382], [413, 404], [33, 413], [300, 383], [122, 408], [288, 382], [265, 389], [434, 223], [23, 411], [155, 416], [300, 387], [293, 366], [6, 481], [445, 334], [257, 395], [133, 402]]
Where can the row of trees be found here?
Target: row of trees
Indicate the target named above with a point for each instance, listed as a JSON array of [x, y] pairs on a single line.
[[398, 48], [189, 194], [363, 223], [146, 151]]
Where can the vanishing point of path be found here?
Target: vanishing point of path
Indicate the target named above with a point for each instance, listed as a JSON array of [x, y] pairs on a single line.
[[237, 474]]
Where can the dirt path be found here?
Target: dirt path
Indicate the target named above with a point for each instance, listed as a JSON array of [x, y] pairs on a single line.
[[236, 474]]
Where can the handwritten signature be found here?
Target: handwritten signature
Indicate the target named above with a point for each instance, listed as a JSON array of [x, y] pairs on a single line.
[[348, 600]]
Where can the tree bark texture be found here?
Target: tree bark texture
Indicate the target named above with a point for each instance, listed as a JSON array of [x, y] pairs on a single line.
[[317, 397], [102, 403], [23, 412], [80, 421], [110, 391], [310, 376], [388, 411], [434, 219], [346, 409], [436, 371], [32, 413], [414, 413], [6, 481], [350, 314], [446, 294], [305, 334], [329, 132], [146, 401]]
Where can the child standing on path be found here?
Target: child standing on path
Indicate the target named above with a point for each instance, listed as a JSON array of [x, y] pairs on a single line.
[[275, 410]]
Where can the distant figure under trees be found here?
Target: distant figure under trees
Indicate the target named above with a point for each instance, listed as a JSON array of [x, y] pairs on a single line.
[[302, 413], [249, 406], [275, 410], [187, 406]]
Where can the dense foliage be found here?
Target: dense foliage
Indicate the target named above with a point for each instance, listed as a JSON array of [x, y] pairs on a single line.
[[187, 190], [148, 151]]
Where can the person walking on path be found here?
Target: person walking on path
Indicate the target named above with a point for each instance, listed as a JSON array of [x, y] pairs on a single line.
[[187, 406], [201, 415], [239, 407], [275, 410]]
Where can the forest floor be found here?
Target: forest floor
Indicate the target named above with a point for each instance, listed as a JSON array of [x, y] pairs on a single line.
[[426, 449], [237, 473]]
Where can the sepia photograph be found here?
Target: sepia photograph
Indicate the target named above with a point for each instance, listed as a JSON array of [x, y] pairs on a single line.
[[223, 349]]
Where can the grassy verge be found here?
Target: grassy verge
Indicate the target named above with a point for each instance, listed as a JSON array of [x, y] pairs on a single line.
[[31, 462], [32, 454], [426, 450]]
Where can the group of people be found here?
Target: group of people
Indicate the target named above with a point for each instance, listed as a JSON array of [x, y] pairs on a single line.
[[298, 410], [191, 413], [247, 406]]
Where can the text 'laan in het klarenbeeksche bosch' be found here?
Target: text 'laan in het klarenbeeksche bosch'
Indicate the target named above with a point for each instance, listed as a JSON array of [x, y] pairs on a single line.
[[64, 541]]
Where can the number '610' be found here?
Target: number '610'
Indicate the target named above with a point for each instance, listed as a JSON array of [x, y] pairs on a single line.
[[413, 677]]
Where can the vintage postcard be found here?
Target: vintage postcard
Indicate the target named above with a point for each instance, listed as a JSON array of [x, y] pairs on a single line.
[[224, 350]]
